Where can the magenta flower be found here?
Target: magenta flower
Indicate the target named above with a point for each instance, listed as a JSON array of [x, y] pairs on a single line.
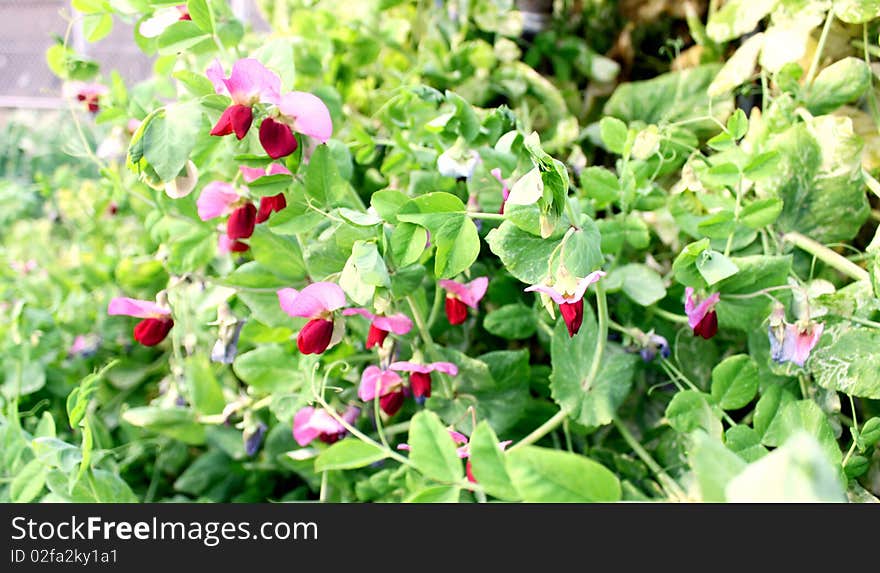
[[251, 174], [792, 342], [463, 451], [570, 298], [316, 302], [249, 83], [299, 112], [384, 384], [309, 423], [274, 203], [701, 313], [420, 375], [381, 325], [156, 320], [459, 295]]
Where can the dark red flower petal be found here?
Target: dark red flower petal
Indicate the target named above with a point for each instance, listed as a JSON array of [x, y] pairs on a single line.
[[573, 315], [238, 246], [470, 473], [331, 438], [391, 403], [276, 138], [376, 336], [269, 205], [152, 331], [235, 119], [421, 384], [456, 310], [314, 337], [708, 326], [241, 222]]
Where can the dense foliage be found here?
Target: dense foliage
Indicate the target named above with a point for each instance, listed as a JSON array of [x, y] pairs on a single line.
[[432, 251]]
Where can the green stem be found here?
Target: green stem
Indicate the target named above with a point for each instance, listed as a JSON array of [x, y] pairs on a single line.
[[666, 480], [827, 256], [322, 496], [693, 386], [670, 316], [540, 431], [425, 333], [814, 66], [377, 414], [439, 299], [602, 311]]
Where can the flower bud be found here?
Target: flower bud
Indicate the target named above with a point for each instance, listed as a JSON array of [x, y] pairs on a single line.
[[276, 138], [314, 338], [152, 331], [392, 402], [573, 315]]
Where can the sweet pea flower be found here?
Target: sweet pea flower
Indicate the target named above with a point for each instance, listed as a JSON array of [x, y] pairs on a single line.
[[161, 19], [505, 190], [384, 384], [792, 342], [216, 200], [88, 93], [701, 313], [461, 295], [463, 450], [296, 112], [420, 375], [249, 83], [268, 205], [568, 293], [381, 325], [156, 321], [316, 302], [310, 423], [219, 198]]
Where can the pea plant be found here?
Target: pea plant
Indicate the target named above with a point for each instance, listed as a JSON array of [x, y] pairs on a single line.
[[419, 251]]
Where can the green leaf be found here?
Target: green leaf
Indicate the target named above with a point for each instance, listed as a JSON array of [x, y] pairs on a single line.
[[745, 442], [798, 471], [869, 434], [760, 213], [201, 15], [387, 202], [803, 416], [541, 475], [97, 26], [79, 398], [348, 454], [359, 218], [772, 401], [488, 464], [690, 410], [738, 124], [737, 18], [170, 136], [177, 423], [363, 272], [323, 183], [433, 450], [435, 494], [714, 466], [205, 391], [254, 275], [572, 359], [512, 322], [29, 482], [755, 273], [685, 264], [269, 368], [639, 282], [458, 244], [857, 11], [847, 360], [670, 97], [614, 134], [408, 242], [600, 185], [842, 82], [179, 36], [270, 185], [277, 253], [735, 382]]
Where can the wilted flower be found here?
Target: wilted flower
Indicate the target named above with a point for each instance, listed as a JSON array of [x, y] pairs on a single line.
[[317, 302], [568, 292], [381, 325], [156, 321], [701, 313], [461, 295], [651, 344], [792, 342], [310, 423], [458, 162]]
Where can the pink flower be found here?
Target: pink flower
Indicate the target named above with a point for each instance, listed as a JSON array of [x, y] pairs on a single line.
[[88, 93], [251, 174], [156, 320], [316, 302], [268, 205], [299, 112], [309, 423], [505, 190], [381, 325], [460, 295], [420, 375], [701, 313], [162, 19], [792, 342], [570, 300], [249, 83], [378, 382], [216, 200]]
